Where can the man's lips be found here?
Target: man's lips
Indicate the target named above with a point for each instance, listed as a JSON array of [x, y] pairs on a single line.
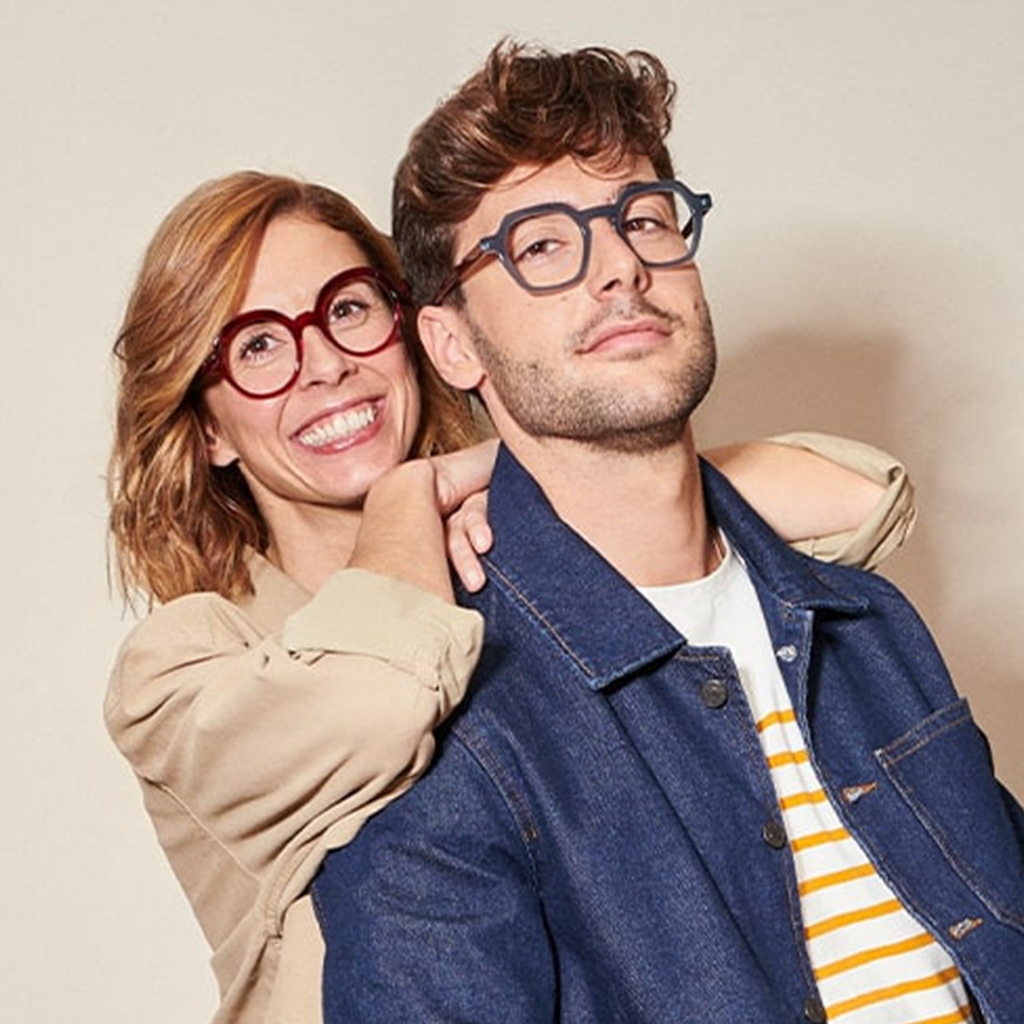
[[338, 426], [626, 332]]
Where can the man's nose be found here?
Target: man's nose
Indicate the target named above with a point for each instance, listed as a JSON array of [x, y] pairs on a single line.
[[614, 266]]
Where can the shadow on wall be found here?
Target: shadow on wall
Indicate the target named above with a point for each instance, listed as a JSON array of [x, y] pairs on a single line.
[[789, 380], [903, 384]]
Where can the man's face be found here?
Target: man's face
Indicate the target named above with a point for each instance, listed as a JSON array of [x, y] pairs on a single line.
[[617, 361]]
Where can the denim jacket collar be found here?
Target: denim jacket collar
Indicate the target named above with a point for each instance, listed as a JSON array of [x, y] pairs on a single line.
[[557, 578]]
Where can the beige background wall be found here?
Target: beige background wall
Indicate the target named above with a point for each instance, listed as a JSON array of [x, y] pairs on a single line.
[[864, 260]]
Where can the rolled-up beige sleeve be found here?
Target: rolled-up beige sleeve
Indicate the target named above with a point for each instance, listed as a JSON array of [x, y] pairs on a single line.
[[889, 523], [257, 749], [434, 642]]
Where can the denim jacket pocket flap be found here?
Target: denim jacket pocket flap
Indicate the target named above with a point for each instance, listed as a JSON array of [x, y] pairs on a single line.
[[943, 770]]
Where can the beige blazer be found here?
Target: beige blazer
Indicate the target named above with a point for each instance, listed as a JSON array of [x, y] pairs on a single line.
[[263, 734], [890, 522]]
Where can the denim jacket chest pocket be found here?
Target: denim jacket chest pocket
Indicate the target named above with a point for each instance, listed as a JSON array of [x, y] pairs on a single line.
[[942, 769]]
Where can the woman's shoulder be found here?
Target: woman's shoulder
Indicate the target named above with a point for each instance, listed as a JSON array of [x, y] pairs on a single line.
[[204, 617], [174, 638], [188, 621]]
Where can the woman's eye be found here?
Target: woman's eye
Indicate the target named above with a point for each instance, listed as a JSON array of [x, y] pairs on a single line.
[[257, 346], [347, 311]]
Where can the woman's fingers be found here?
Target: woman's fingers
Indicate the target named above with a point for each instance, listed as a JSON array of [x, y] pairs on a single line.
[[467, 536], [460, 474]]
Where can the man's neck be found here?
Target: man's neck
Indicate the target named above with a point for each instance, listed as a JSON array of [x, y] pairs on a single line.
[[643, 512]]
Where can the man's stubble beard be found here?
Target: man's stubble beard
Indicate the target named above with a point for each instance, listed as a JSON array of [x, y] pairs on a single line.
[[544, 405]]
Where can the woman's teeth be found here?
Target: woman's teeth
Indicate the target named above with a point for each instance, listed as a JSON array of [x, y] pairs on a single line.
[[338, 427]]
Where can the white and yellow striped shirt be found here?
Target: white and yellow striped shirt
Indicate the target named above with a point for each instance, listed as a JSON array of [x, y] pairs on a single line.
[[873, 962]]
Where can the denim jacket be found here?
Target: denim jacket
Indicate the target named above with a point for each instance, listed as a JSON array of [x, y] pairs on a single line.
[[599, 838]]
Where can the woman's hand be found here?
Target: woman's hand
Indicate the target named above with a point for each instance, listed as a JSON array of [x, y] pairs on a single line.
[[461, 480], [459, 474], [423, 513], [467, 536]]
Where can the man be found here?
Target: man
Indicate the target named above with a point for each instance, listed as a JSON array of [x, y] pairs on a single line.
[[699, 778]]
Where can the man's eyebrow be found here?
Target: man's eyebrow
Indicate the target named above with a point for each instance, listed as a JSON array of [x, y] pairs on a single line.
[[629, 184]]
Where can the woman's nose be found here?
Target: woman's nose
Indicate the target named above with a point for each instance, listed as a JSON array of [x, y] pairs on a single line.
[[322, 361]]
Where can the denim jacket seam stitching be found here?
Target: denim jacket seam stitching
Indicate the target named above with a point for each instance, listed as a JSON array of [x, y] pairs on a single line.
[[515, 803], [527, 608], [890, 756], [521, 601], [963, 870]]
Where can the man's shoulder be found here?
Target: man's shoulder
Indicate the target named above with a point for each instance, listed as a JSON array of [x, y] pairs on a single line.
[[780, 566], [463, 805], [874, 592]]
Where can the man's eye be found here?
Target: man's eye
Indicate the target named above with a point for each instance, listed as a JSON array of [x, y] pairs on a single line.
[[538, 249], [646, 225], [543, 238]]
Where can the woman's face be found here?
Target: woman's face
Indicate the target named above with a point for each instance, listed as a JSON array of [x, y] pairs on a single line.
[[346, 421]]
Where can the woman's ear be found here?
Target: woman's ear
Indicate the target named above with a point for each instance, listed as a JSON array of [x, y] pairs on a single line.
[[219, 450], [447, 342]]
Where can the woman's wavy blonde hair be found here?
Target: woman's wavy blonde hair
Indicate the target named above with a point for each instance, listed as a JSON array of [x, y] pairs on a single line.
[[178, 524]]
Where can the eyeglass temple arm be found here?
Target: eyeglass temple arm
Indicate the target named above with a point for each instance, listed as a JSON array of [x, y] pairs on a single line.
[[458, 271], [703, 200]]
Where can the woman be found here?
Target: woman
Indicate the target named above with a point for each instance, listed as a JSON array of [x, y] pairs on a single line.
[[307, 641]]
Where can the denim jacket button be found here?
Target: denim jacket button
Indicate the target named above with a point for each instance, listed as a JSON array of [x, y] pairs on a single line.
[[787, 653], [774, 834], [814, 1011], [714, 693]]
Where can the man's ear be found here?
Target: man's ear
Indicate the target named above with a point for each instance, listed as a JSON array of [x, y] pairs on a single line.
[[446, 340]]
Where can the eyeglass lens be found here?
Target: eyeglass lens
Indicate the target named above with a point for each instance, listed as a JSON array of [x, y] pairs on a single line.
[[549, 249], [262, 357]]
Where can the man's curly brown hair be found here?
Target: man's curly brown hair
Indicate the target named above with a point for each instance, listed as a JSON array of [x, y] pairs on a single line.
[[526, 105]]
